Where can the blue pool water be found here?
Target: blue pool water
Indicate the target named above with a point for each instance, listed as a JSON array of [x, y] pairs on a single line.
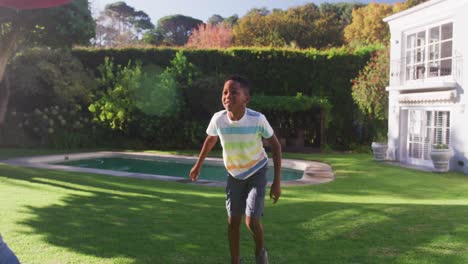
[[168, 168]]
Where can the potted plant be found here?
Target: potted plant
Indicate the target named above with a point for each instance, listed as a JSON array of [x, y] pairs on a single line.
[[379, 147], [440, 156]]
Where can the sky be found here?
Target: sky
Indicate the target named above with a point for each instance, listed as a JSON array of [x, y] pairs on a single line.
[[204, 9]]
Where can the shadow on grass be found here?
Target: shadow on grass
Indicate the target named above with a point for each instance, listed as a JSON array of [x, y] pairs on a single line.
[[331, 232], [159, 222]]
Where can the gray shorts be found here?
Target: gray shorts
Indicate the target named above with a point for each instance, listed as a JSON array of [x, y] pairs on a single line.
[[247, 196]]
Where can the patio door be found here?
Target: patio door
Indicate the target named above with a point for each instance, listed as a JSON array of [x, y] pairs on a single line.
[[426, 128]]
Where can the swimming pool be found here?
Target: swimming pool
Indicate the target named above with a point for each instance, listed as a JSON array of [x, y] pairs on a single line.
[[175, 168], [295, 172]]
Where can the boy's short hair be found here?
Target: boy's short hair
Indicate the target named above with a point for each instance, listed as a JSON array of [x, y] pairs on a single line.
[[244, 83]]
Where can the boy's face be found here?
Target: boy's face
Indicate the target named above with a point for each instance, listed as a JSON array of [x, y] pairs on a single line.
[[234, 97]]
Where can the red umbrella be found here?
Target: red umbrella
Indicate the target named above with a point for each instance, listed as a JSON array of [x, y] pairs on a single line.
[[32, 4]]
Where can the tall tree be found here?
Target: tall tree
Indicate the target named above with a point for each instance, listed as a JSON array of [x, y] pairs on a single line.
[[121, 24], [304, 26], [39, 22], [341, 11], [369, 93], [232, 20], [368, 27], [211, 36], [260, 11], [254, 29], [175, 30], [215, 19], [411, 3]]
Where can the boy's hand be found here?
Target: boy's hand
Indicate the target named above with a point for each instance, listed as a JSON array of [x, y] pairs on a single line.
[[275, 192], [194, 172]]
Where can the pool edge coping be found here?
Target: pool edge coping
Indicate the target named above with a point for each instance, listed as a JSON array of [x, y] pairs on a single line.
[[314, 172]]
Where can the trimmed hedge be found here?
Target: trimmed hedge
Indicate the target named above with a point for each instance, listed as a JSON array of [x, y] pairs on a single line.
[[274, 72]]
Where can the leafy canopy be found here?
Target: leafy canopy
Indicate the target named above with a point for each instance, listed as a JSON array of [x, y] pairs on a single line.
[[120, 24], [173, 30], [368, 88], [367, 26], [53, 27]]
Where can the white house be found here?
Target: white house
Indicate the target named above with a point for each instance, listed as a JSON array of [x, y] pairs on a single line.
[[429, 83]]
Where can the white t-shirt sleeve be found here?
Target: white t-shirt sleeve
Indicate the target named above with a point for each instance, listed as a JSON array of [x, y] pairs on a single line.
[[265, 128], [212, 128]]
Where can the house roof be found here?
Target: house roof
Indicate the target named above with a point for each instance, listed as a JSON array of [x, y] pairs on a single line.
[[412, 10]]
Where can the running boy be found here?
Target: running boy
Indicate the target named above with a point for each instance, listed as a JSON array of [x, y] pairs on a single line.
[[240, 131]]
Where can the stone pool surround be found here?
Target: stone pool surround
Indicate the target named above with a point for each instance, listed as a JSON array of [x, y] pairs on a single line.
[[314, 172]]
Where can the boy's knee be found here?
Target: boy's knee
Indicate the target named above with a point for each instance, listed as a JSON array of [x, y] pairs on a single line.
[[252, 223], [234, 222]]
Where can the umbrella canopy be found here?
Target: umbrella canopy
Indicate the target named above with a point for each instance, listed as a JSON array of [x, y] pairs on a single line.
[[32, 4]]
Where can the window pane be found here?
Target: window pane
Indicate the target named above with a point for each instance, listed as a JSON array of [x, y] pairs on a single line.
[[434, 52], [420, 55], [417, 150], [408, 57], [434, 35], [446, 50], [428, 118], [445, 67], [420, 69], [427, 141], [434, 69], [410, 41], [447, 31], [447, 124], [409, 73], [421, 40]]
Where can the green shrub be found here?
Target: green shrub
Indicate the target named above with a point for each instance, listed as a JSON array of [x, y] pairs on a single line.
[[204, 96], [159, 93], [114, 106], [54, 126], [273, 72], [45, 77]]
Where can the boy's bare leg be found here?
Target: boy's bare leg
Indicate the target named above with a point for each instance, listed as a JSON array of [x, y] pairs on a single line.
[[234, 223], [256, 229]]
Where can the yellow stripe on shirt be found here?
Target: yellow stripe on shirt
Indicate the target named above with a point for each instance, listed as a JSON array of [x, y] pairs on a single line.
[[244, 166]]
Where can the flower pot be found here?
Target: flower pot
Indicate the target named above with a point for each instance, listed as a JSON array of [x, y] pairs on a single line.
[[440, 158], [380, 150]]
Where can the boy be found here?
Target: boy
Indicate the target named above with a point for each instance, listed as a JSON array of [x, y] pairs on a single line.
[[240, 131]]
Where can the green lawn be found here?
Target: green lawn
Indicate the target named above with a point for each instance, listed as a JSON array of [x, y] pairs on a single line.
[[371, 213]]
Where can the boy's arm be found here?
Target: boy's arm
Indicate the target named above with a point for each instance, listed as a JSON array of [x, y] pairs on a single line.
[[210, 141], [275, 191]]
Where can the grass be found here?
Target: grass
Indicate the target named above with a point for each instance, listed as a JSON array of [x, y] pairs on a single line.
[[372, 213]]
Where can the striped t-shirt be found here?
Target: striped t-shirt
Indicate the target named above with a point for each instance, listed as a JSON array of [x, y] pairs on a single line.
[[243, 152]]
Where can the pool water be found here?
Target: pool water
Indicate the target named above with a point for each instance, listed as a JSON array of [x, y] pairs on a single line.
[[169, 168]]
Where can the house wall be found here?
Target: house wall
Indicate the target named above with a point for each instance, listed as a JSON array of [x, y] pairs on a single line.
[[432, 12]]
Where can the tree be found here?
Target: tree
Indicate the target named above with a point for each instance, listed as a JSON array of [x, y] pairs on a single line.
[[211, 36], [232, 20], [121, 24], [255, 29], [341, 11], [29, 23], [260, 11], [45, 77], [304, 26], [175, 30], [367, 26], [411, 3], [368, 88], [215, 19]]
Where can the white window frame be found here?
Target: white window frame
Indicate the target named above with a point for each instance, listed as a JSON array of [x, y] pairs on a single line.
[[409, 60], [426, 146]]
